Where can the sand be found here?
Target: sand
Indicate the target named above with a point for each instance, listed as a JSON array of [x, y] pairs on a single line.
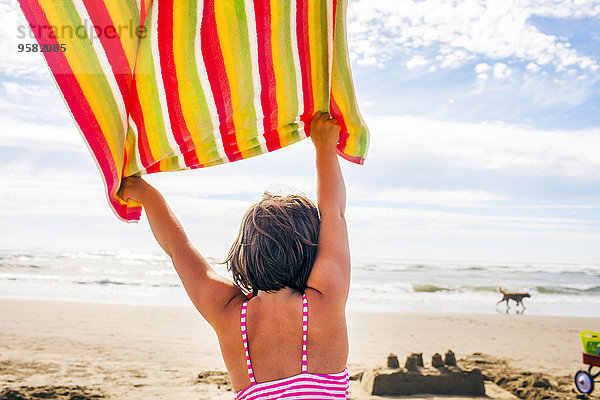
[[89, 350]]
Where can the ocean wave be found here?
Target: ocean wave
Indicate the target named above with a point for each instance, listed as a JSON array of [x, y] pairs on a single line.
[[404, 287], [8, 266], [565, 289], [106, 281], [429, 288]]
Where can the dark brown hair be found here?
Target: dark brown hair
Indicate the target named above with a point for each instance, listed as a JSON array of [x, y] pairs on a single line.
[[277, 244]]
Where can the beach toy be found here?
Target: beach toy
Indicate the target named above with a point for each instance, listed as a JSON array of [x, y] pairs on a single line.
[[585, 380], [590, 342], [166, 85]]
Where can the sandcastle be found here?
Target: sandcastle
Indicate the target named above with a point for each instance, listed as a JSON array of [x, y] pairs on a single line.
[[444, 377]]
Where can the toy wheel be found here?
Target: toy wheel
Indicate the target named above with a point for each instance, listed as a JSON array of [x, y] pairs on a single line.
[[584, 382]]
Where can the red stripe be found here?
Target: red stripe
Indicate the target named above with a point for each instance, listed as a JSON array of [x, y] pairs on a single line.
[[169, 75], [217, 76], [335, 4], [154, 168], [305, 63], [191, 159], [268, 94], [143, 12], [78, 105], [337, 114]]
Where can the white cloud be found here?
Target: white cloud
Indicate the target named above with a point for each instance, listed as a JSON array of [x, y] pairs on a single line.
[[13, 63], [533, 67], [501, 71], [416, 61], [39, 135], [18, 91], [438, 197], [482, 68], [415, 218], [487, 146], [495, 29]]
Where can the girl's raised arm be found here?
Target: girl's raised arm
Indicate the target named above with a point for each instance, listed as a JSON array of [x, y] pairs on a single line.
[[331, 271], [210, 292]]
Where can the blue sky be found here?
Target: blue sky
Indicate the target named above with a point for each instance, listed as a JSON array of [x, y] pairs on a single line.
[[485, 142]]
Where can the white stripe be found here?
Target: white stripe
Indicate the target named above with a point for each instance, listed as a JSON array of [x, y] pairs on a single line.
[[205, 84], [104, 64], [297, 68], [253, 41], [181, 162], [263, 389], [330, 39], [160, 84]]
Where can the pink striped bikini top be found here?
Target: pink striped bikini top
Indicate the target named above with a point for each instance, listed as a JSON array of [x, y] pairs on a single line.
[[303, 386]]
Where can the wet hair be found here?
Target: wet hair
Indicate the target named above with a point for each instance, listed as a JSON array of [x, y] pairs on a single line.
[[277, 244]]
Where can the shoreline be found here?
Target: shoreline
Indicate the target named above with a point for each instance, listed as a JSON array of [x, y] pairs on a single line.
[[135, 351], [353, 306]]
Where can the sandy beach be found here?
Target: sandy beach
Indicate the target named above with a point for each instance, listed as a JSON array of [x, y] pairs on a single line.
[[133, 352]]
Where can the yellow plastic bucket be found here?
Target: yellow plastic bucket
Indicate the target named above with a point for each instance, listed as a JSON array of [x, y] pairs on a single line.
[[590, 342]]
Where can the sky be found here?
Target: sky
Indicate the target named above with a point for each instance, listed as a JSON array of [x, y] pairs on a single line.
[[485, 143]]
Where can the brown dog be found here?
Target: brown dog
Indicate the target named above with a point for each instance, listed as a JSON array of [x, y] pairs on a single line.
[[517, 297]]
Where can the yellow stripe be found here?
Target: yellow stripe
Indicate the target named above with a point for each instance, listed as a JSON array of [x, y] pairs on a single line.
[[86, 79], [230, 61], [144, 79], [131, 166], [351, 141], [120, 16]]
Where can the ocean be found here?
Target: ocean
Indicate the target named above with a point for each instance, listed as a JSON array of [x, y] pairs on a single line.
[[377, 285]]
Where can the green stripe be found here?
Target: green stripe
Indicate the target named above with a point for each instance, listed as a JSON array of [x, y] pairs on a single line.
[[241, 46], [322, 91], [287, 60], [191, 84], [134, 12], [172, 164]]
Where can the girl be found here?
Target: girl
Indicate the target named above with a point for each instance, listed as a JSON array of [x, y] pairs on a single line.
[[289, 340]]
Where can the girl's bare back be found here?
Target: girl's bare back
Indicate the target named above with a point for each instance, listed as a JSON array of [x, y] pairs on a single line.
[[274, 329]]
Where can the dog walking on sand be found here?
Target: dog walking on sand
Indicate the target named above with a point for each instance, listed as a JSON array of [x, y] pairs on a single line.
[[517, 297]]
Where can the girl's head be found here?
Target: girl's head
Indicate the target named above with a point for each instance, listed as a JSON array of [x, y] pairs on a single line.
[[277, 244]]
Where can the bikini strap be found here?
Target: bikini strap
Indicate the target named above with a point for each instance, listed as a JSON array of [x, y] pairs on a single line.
[[304, 332], [245, 340]]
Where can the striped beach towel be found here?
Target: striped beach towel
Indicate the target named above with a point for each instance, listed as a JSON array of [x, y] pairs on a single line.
[[166, 85]]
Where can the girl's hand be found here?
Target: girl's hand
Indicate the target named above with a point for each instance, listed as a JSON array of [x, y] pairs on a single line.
[[324, 131], [133, 188]]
